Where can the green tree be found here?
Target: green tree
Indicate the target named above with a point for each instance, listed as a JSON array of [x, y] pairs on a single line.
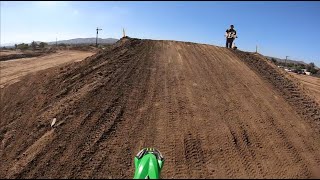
[[290, 65], [62, 44], [299, 67], [33, 45], [23, 46], [314, 71], [42, 44], [310, 67]]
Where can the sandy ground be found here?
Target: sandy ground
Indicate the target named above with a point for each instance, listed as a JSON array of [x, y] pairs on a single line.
[[11, 71], [212, 113], [9, 52], [311, 83]]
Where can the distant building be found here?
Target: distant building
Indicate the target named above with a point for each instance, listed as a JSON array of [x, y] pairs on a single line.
[[306, 72]]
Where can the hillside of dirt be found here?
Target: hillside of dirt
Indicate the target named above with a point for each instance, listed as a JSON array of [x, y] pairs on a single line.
[[211, 111]]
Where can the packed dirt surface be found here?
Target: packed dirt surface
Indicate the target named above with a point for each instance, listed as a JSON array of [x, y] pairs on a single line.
[[311, 83], [17, 54], [9, 52], [212, 112], [11, 71]]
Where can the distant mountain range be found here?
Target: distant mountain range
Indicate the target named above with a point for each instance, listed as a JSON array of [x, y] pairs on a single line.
[[86, 41], [288, 60], [74, 41]]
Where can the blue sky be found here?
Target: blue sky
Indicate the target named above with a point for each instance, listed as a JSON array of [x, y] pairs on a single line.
[[278, 28]]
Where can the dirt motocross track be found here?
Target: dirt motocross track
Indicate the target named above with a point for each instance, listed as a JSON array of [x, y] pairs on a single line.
[[212, 112], [11, 71]]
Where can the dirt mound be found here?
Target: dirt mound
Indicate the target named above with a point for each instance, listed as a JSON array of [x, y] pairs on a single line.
[[291, 90], [213, 113]]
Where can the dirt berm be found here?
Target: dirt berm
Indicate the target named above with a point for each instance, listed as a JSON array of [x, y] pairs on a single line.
[[212, 112]]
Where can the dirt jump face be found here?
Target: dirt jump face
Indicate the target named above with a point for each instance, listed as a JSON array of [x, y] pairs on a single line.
[[211, 111]]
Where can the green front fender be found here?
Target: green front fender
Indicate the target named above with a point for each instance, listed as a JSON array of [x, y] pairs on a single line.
[[147, 167]]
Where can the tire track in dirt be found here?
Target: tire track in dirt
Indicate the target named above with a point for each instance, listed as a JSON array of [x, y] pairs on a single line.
[[93, 129], [167, 115], [97, 165], [105, 142]]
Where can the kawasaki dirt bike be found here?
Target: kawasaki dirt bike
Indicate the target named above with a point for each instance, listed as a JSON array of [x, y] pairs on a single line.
[[148, 164]]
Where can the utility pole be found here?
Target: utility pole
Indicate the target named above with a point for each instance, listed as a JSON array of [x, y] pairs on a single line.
[[97, 36], [286, 60], [56, 41], [256, 48], [124, 33]]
